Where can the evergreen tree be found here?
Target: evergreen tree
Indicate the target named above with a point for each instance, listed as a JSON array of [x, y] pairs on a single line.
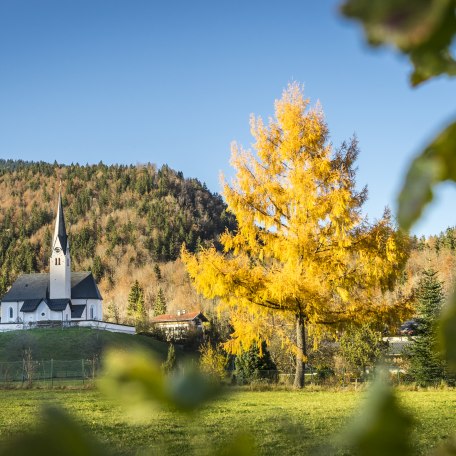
[[160, 303], [97, 268], [426, 364], [136, 308], [157, 272], [170, 364], [250, 363]]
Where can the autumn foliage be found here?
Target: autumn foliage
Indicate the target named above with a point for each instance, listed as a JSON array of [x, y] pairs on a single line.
[[303, 249]]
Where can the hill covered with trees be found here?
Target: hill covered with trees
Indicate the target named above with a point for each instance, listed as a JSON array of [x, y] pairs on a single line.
[[125, 223]]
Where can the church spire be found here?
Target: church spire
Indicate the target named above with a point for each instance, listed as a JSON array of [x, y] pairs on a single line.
[[60, 229], [60, 261]]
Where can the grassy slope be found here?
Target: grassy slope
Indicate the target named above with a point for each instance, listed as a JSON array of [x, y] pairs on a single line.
[[69, 344], [315, 417]]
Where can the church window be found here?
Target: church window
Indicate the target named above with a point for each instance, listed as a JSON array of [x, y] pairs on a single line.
[[43, 314], [57, 261], [11, 312], [91, 312]]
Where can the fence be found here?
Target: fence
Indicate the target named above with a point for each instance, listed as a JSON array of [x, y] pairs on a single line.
[[48, 372], [314, 376]]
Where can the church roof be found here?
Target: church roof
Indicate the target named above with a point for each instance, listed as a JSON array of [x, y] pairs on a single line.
[[32, 287], [83, 286], [77, 310], [60, 229], [57, 305], [30, 305]]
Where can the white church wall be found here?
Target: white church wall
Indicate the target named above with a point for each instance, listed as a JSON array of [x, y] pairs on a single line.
[[94, 309], [5, 311]]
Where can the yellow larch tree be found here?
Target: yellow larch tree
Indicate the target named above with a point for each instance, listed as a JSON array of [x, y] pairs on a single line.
[[302, 247]]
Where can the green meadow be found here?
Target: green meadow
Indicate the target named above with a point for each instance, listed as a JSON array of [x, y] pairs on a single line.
[[280, 422]]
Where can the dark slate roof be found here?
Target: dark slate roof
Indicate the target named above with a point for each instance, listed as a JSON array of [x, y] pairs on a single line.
[[31, 287], [28, 287], [83, 286], [58, 305], [77, 310], [60, 228], [30, 305]]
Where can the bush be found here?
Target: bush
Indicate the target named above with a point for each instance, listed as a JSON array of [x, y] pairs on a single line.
[[213, 361]]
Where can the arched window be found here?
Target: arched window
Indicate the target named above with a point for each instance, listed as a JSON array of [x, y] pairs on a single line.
[[11, 312], [57, 261], [91, 312]]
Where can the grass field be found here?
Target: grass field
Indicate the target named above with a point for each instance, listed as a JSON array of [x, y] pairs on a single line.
[[313, 417], [71, 343]]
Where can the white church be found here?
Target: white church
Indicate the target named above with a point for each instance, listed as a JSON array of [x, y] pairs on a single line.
[[60, 296]]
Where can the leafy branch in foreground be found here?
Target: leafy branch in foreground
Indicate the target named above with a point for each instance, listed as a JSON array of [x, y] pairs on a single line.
[[424, 31]]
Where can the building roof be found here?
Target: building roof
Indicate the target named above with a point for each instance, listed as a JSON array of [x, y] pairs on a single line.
[[83, 286], [187, 316], [77, 310], [58, 305], [397, 345], [30, 305], [32, 287], [60, 229]]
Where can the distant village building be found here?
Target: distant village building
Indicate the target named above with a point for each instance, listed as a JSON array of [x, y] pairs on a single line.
[[60, 296], [180, 326]]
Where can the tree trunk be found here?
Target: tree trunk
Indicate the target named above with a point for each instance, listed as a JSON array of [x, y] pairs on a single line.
[[301, 351]]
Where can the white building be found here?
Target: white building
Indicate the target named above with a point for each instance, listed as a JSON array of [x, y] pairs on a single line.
[[60, 296]]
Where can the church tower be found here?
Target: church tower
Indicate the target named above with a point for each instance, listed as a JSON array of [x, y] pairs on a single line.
[[60, 262]]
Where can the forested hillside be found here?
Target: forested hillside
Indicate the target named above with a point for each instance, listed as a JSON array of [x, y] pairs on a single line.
[[437, 252], [127, 223], [123, 222]]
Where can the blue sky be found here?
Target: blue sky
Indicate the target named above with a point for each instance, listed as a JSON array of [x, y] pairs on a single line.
[[175, 82]]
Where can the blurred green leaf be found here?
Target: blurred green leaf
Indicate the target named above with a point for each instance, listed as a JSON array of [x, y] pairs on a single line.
[[447, 449], [239, 445], [57, 434], [448, 332], [135, 378], [422, 28], [383, 427], [402, 23], [436, 164]]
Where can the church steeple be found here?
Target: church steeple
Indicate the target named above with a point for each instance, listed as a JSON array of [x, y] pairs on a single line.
[[60, 233], [60, 261]]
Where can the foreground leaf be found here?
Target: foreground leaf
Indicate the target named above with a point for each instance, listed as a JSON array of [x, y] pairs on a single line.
[[57, 434], [383, 428], [436, 164], [424, 29], [448, 332], [136, 378]]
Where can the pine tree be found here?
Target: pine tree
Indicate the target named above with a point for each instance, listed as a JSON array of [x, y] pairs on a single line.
[[157, 272], [160, 303], [170, 364], [251, 362], [426, 364], [136, 305]]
